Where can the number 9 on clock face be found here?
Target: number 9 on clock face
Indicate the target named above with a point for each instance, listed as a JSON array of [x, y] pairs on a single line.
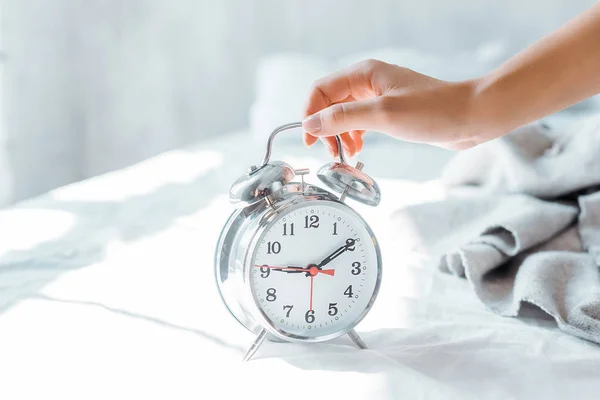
[[315, 271]]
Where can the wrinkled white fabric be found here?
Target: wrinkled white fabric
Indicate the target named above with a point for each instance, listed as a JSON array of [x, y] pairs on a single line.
[[107, 291]]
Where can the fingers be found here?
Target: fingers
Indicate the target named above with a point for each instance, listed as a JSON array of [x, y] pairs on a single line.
[[351, 142], [345, 117], [326, 99], [357, 136], [352, 82], [348, 144], [309, 140], [331, 145]]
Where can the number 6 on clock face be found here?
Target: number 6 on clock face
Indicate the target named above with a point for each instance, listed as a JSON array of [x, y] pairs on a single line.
[[315, 270]]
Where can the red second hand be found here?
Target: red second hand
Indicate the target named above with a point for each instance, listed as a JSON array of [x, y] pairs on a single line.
[[311, 290], [327, 271]]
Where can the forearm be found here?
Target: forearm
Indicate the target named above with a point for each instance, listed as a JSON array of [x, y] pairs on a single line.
[[556, 72]]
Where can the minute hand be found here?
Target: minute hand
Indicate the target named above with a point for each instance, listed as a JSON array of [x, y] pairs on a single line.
[[348, 246]]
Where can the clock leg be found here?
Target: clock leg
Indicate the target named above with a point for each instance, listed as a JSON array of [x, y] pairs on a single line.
[[357, 339], [259, 339], [359, 166], [344, 194]]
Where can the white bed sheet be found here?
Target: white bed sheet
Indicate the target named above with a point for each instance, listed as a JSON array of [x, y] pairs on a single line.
[[107, 291]]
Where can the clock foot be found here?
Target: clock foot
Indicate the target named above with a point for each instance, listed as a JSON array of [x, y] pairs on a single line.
[[259, 339], [357, 339]]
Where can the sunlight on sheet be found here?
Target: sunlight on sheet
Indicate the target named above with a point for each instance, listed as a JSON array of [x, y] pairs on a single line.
[[174, 167], [23, 229], [163, 278]]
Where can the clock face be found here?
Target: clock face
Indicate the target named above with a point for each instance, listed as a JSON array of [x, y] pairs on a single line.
[[315, 270]]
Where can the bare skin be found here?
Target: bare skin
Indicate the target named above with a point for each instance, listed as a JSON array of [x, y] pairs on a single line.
[[554, 73]]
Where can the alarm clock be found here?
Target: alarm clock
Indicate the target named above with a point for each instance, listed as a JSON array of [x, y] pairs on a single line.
[[294, 262]]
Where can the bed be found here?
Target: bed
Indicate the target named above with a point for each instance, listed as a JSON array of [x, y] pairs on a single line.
[[107, 291]]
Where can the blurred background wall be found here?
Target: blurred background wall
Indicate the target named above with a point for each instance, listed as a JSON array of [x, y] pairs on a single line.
[[92, 86]]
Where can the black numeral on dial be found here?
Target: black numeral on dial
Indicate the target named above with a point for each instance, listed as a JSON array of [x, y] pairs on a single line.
[[314, 221], [265, 271], [288, 311], [285, 229], [271, 294], [351, 244], [309, 316], [273, 247], [348, 292], [355, 268], [332, 309], [334, 228]]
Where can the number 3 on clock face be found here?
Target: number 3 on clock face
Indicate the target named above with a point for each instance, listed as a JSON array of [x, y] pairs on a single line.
[[315, 271]]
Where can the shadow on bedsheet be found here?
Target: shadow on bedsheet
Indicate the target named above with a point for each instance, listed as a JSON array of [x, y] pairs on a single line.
[[25, 272], [411, 362], [166, 324]]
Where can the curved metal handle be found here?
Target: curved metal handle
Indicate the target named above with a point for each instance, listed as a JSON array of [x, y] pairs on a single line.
[[292, 125]]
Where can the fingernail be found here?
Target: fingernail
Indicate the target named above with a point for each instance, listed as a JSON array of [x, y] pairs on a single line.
[[312, 124]]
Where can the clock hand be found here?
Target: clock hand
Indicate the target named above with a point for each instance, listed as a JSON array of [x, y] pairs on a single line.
[[314, 270], [348, 246], [311, 291], [278, 268], [298, 270], [330, 272]]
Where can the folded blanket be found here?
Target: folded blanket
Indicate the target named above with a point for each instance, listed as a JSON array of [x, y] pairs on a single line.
[[522, 224]]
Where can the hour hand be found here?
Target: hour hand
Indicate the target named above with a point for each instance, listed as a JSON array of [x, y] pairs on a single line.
[[288, 269], [293, 270]]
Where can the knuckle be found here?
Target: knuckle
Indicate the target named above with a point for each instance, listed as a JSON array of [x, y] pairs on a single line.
[[370, 65], [372, 62], [337, 114], [315, 88], [385, 109], [316, 85]]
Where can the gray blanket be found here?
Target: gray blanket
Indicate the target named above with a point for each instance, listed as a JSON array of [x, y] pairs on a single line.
[[522, 223]]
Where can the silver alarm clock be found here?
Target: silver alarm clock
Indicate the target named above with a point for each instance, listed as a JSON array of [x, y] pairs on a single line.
[[294, 262]]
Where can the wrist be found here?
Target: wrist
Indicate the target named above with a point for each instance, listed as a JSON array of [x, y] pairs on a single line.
[[486, 119], [498, 105]]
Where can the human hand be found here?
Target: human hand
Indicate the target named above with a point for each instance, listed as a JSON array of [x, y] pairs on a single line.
[[373, 95]]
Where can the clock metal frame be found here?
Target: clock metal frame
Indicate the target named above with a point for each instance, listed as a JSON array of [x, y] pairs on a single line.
[[235, 252], [263, 193]]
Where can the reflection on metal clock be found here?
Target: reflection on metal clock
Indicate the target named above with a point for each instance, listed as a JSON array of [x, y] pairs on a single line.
[[294, 262]]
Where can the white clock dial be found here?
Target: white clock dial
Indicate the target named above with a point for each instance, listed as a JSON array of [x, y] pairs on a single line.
[[315, 270]]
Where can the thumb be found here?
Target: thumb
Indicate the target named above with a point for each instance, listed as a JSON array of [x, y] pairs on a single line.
[[343, 117]]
